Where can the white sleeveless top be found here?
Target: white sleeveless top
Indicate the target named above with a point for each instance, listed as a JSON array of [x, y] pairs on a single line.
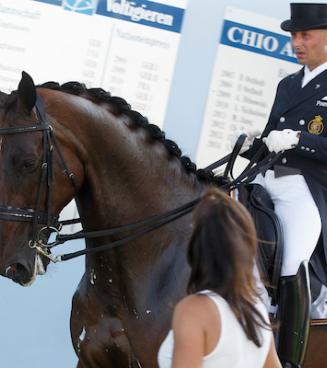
[[234, 349]]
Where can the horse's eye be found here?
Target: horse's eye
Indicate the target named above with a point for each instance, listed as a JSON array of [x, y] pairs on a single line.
[[29, 165]]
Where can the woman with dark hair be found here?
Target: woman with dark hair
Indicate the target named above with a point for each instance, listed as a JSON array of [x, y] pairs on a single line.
[[222, 323]]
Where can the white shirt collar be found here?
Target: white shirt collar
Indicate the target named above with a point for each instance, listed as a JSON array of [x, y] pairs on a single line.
[[309, 75]]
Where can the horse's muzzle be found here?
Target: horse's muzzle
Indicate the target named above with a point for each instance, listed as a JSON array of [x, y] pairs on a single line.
[[18, 273]]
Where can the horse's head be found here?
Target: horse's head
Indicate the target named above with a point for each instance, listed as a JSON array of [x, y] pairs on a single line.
[[34, 185]]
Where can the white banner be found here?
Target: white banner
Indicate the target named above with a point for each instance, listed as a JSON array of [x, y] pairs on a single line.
[[126, 47], [252, 56]]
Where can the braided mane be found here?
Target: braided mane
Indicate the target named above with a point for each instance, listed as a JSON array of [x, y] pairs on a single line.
[[120, 106]]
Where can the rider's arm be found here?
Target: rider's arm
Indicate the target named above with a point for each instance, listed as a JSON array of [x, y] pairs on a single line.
[[312, 146]]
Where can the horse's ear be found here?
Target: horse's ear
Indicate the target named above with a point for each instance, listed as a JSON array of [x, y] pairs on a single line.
[[27, 92]]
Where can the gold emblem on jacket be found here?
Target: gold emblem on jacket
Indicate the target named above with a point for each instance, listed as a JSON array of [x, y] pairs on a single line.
[[316, 125]]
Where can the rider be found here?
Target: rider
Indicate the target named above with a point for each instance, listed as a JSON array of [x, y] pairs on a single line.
[[297, 127]]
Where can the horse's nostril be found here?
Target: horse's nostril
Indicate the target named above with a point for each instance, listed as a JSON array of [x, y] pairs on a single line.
[[10, 271], [17, 272]]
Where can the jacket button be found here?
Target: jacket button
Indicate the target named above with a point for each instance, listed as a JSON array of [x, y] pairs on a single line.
[[302, 122], [282, 119], [284, 160]]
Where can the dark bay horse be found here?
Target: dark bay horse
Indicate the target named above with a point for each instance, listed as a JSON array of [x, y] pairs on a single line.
[[124, 170], [120, 169]]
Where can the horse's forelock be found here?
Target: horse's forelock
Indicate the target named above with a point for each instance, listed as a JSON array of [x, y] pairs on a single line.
[[8, 101]]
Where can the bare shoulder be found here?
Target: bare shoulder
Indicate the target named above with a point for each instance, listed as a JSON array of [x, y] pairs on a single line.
[[194, 306], [188, 318], [197, 322]]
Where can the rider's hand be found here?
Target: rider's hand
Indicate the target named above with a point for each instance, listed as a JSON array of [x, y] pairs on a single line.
[[281, 140], [250, 135]]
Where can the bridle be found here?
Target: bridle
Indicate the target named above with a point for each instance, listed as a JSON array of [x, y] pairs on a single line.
[[134, 230], [35, 215]]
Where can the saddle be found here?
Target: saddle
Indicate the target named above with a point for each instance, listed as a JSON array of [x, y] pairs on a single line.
[[270, 247], [269, 232]]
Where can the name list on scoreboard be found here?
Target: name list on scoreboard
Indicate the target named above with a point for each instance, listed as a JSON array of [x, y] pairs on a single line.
[[126, 47], [238, 102], [250, 62]]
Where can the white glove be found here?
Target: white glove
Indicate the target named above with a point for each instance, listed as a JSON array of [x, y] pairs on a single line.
[[250, 135], [281, 140]]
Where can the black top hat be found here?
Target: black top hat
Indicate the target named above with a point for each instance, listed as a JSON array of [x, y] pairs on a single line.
[[306, 16]]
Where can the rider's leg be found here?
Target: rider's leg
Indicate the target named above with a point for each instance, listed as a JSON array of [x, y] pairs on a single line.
[[294, 317], [301, 225], [299, 218]]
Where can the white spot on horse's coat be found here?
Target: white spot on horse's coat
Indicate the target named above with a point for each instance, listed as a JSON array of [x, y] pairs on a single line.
[[81, 339], [38, 270], [148, 311], [81, 336], [93, 277], [39, 265]]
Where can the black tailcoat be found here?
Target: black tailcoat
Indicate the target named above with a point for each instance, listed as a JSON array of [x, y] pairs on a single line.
[[305, 110]]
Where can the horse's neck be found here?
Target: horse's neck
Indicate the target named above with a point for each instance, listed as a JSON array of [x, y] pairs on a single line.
[[127, 176], [136, 180]]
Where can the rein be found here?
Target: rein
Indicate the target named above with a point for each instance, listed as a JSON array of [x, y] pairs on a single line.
[[152, 223], [134, 230]]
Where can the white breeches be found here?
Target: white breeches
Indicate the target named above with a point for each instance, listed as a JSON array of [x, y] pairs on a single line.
[[298, 215]]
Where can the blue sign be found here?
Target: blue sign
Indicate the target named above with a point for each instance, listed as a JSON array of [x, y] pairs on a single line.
[[144, 12], [258, 40]]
